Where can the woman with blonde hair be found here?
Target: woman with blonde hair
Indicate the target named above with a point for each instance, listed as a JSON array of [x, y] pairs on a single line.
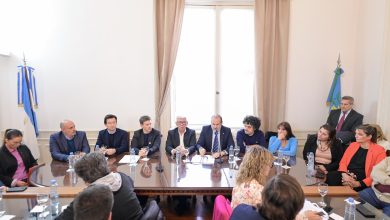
[[252, 176], [381, 138]]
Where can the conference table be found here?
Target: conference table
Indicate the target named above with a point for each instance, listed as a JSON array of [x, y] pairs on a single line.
[[191, 177], [163, 175]]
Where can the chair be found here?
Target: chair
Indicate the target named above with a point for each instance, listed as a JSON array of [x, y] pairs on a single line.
[[222, 209], [152, 211], [268, 135]]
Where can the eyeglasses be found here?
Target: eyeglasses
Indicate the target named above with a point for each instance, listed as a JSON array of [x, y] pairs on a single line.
[[181, 122]]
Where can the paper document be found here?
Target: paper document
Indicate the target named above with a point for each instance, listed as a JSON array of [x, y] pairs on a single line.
[[126, 159], [207, 159], [313, 207]]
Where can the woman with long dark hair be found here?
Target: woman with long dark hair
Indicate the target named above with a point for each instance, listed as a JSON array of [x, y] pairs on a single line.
[[326, 148]]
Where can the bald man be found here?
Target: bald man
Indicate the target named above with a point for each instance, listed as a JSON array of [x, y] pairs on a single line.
[[68, 140]]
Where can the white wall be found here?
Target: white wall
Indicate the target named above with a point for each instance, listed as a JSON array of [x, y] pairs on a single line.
[[319, 31], [92, 57], [95, 57]]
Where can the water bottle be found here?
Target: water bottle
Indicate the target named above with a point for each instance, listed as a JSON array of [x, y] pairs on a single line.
[[54, 198], [178, 157], [71, 160], [231, 154], [350, 209], [97, 148], [132, 157], [310, 164]]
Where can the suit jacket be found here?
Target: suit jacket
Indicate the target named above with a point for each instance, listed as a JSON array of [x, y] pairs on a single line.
[[173, 140], [59, 146], [347, 131], [336, 151], [154, 141], [375, 155], [121, 140], [206, 138], [8, 163]]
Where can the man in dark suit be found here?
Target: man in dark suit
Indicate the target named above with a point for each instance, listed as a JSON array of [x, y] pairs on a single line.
[[114, 139], [68, 140], [146, 141], [345, 120], [181, 138], [215, 138]]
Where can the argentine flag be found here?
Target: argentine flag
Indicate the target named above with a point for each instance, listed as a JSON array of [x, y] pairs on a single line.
[[27, 98]]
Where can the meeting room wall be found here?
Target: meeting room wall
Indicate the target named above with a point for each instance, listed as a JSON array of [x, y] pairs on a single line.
[[96, 57], [319, 31], [91, 57]]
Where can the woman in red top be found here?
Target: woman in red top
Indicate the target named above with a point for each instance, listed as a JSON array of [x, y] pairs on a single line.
[[358, 160]]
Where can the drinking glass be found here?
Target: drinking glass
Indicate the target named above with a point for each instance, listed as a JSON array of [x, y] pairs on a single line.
[[323, 189], [187, 152], [286, 158], [42, 198], [147, 151], [2, 209]]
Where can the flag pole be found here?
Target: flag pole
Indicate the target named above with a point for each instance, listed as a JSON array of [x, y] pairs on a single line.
[[29, 92]]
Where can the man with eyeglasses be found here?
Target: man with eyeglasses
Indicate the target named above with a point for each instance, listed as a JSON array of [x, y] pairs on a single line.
[[181, 138], [345, 120]]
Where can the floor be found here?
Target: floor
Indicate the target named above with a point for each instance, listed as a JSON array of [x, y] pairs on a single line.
[[197, 209]]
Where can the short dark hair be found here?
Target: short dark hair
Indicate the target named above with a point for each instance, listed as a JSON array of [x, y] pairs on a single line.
[[94, 203], [286, 126], [144, 118], [369, 130], [109, 116], [91, 167], [253, 121], [11, 133], [282, 198], [349, 98]]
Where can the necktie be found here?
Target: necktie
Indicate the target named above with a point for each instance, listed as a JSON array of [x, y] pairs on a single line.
[[216, 143], [340, 124]]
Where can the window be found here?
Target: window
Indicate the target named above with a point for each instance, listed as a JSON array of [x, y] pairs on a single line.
[[214, 70]]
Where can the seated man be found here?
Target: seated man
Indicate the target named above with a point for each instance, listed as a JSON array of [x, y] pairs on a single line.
[[251, 134], [345, 120], [215, 138], [181, 138], [146, 141], [94, 203], [68, 140], [114, 139]]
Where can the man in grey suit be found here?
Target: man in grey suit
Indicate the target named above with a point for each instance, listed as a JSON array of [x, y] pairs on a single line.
[[181, 138], [345, 120], [68, 140]]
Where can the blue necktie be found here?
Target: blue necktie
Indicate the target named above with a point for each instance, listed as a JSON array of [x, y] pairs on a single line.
[[216, 143]]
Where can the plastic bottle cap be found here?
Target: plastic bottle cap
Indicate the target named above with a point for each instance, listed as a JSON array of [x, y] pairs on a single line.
[[53, 181]]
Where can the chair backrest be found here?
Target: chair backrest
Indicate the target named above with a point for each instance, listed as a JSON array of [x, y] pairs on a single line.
[[152, 211], [222, 208]]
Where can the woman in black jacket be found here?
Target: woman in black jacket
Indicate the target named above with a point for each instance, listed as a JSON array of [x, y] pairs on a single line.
[[326, 148], [15, 159]]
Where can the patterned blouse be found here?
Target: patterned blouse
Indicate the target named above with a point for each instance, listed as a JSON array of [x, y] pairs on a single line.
[[248, 193]]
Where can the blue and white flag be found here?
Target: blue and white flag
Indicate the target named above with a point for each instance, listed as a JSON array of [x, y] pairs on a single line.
[[334, 97], [27, 97]]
